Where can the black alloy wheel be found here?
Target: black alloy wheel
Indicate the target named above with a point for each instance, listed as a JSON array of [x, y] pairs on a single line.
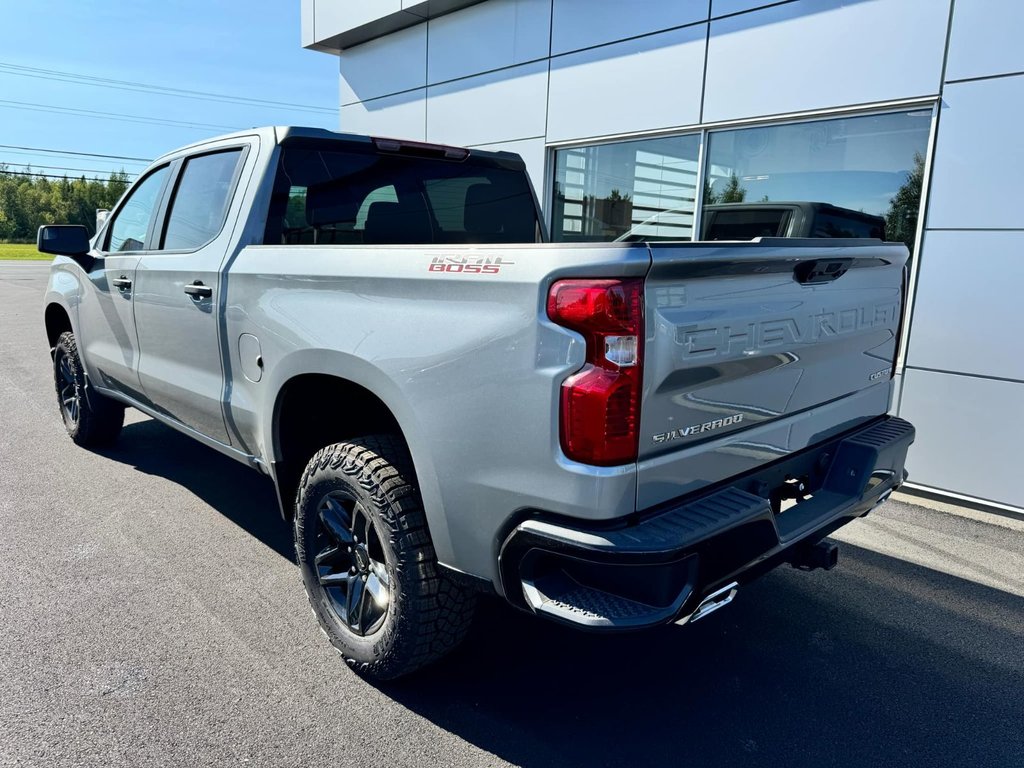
[[68, 391], [351, 564], [368, 563], [92, 420]]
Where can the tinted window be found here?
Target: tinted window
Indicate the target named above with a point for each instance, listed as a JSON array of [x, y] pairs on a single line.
[[835, 224], [745, 225], [352, 197], [201, 200], [131, 223]]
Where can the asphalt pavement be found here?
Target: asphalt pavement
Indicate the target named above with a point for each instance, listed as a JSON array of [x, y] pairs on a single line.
[[151, 615]]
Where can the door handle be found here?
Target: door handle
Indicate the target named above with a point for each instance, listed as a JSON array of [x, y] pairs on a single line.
[[199, 291], [122, 283], [821, 270]]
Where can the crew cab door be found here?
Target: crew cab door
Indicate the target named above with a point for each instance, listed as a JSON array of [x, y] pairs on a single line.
[[177, 293], [108, 338]]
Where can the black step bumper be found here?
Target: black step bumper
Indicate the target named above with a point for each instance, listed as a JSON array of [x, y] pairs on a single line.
[[657, 567]]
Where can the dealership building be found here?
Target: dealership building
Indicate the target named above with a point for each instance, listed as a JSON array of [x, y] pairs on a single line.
[[635, 117]]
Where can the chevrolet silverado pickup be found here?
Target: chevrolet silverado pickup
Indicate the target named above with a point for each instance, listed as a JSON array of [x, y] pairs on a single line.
[[609, 435]]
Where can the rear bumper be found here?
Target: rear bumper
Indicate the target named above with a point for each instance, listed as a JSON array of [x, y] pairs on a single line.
[[657, 566]]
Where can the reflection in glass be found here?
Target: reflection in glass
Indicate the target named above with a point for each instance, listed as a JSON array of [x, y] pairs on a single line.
[[644, 189], [131, 222], [846, 177]]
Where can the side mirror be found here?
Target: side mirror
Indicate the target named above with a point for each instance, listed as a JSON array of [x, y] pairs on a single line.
[[71, 240]]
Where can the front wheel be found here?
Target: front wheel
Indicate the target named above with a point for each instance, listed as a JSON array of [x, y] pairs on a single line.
[[368, 563], [91, 420]]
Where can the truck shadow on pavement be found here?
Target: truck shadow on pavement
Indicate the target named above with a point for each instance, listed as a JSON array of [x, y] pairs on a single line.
[[237, 492], [878, 663]]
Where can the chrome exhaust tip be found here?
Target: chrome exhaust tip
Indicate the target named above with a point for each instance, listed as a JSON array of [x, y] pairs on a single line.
[[717, 599]]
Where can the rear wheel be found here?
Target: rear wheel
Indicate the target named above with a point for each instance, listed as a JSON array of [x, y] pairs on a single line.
[[91, 419], [368, 563]]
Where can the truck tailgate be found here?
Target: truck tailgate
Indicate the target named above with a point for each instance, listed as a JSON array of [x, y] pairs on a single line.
[[754, 350]]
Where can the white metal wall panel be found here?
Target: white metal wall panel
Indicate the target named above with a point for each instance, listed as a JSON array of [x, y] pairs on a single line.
[[968, 434], [532, 152], [648, 83], [986, 39], [968, 297], [583, 23], [384, 66], [979, 157], [306, 22], [333, 17], [401, 116], [725, 7], [491, 35], [498, 106], [814, 54]]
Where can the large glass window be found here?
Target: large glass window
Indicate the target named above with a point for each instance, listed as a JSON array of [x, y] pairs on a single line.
[[626, 191], [201, 200], [131, 223], [846, 177], [843, 177]]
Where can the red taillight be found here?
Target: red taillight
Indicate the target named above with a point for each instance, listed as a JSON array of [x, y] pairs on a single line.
[[600, 419]]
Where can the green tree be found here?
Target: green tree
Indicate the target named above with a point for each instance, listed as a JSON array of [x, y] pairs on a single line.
[[905, 207], [732, 193], [28, 200]]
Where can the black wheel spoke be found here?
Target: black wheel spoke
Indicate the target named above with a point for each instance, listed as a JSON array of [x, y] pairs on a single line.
[[378, 588], [330, 556], [335, 579], [335, 520], [368, 607], [359, 520], [354, 603]]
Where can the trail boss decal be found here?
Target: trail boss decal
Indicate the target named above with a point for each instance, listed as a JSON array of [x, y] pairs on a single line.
[[696, 429], [483, 265]]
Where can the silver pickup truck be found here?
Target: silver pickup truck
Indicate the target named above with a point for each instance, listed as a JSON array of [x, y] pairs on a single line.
[[612, 436]]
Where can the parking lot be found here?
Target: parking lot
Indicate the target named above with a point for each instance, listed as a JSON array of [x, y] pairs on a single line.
[[151, 614]]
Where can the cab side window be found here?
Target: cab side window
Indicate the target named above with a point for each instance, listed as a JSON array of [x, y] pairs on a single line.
[[201, 200], [130, 224]]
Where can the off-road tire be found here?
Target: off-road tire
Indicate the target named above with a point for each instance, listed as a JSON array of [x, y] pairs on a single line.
[[428, 613], [91, 419]]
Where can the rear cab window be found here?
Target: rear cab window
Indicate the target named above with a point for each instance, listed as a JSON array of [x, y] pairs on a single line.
[[746, 224], [327, 194], [200, 202]]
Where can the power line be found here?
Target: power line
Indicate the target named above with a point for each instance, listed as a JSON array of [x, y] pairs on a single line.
[[127, 85], [69, 159], [46, 175], [141, 119], [63, 168], [69, 152]]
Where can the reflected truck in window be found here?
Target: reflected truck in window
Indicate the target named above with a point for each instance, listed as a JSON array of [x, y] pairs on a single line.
[[745, 221], [612, 436]]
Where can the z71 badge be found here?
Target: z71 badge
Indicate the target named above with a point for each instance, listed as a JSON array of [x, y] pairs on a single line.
[[696, 429]]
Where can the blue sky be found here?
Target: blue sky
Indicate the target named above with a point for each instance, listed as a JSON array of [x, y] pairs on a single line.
[[247, 48]]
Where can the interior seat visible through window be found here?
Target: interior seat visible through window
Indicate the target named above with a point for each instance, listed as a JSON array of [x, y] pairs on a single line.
[[406, 221]]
